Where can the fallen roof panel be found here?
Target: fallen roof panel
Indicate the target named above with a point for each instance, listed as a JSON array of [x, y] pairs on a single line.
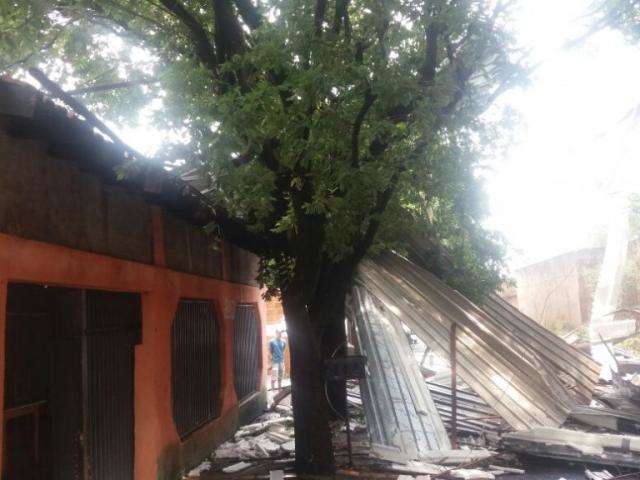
[[611, 419], [506, 374], [575, 367], [401, 415], [601, 448]]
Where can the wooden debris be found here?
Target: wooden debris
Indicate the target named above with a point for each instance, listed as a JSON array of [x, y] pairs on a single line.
[[281, 395]]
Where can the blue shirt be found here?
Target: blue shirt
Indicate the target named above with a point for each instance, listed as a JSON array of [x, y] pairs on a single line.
[[277, 347]]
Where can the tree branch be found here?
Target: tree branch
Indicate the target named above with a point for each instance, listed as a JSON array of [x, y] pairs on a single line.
[[362, 246], [318, 18], [30, 55], [237, 232], [428, 72], [78, 107], [374, 223], [131, 12], [369, 98], [249, 13], [267, 156], [111, 86], [340, 16], [205, 51], [228, 35]]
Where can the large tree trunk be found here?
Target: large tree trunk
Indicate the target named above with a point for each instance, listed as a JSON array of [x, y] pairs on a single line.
[[329, 310], [334, 342], [314, 449]]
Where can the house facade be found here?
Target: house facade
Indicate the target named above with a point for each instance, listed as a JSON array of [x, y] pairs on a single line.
[[129, 345]]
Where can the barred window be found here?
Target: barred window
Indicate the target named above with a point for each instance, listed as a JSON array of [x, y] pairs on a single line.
[[195, 366], [246, 351]]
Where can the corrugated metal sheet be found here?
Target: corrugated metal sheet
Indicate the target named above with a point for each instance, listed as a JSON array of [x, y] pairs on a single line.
[[507, 374], [577, 446], [195, 368], [400, 413], [617, 420], [110, 338], [246, 351], [473, 414], [577, 370]]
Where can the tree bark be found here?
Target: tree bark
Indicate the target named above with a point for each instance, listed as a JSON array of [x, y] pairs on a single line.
[[334, 339], [314, 449], [328, 310]]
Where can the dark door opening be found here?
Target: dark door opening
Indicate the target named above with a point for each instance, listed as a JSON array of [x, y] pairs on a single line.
[[69, 383]]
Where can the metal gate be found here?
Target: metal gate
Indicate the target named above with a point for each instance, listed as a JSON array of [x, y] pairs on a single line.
[[112, 330], [72, 377], [246, 351]]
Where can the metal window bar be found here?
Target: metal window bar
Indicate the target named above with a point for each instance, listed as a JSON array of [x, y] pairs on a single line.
[[246, 351], [195, 366]]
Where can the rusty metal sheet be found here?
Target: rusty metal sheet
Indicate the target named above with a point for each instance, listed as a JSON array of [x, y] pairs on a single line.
[[508, 375]]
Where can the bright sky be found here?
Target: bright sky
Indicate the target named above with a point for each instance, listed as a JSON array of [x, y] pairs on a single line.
[[574, 147], [553, 190]]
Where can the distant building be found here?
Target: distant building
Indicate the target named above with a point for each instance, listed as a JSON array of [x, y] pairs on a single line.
[[129, 348], [558, 292]]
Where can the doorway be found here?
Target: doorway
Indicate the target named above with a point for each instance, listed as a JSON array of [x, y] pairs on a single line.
[[69, 381]]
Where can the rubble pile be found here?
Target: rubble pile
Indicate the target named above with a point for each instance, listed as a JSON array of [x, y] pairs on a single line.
[[268, 441], [265, 449]]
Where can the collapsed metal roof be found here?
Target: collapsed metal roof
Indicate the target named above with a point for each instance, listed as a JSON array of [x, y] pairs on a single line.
[[577, 370], [401, 415], [601, 448], [497, 354], [472, 414]]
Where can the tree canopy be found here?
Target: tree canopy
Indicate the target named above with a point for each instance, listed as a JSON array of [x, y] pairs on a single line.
[[365, 116], [321, 130], [623, 15]]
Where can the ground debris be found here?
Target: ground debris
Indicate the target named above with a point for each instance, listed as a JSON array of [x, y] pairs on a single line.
[[516, 471], [472, 474], [203, 467], [237, 467], [601, 475]]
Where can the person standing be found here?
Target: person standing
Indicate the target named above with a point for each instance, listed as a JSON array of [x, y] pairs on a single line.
[[277, 346]]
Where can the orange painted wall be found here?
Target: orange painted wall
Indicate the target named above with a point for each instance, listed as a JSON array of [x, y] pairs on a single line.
[[3, 309], [36, 262]]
